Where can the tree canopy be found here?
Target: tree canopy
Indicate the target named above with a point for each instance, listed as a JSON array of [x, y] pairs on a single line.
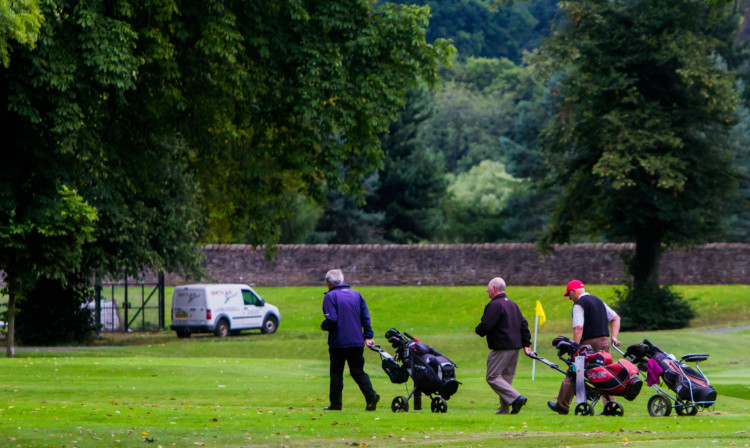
[[20, 21], [172, 121], [639, 142]]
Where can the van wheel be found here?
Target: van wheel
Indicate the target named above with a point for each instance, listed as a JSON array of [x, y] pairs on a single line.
[[222, 329], [270, 324], [183, 333]]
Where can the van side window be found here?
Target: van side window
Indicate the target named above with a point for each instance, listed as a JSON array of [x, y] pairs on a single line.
[[249, 298]]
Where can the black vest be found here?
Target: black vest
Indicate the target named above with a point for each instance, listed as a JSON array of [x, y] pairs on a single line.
[[595, 323]]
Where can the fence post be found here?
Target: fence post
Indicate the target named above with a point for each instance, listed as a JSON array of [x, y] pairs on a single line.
[[162, 310], [98, 303], [126, 324]]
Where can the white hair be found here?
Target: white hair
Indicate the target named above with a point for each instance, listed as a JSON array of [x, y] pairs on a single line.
[[335, 276], [499, 283]]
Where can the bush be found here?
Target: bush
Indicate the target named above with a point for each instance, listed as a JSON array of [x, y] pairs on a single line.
[[53, 313], [652, 308]]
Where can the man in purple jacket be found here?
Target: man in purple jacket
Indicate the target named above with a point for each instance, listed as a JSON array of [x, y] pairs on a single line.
[[347, 321]]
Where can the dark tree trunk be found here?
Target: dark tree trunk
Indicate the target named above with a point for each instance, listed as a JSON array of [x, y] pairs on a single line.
[[644, 266]]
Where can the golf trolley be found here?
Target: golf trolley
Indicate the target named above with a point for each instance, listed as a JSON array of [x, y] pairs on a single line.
[[598, 374], [692, 390], [432, 373]]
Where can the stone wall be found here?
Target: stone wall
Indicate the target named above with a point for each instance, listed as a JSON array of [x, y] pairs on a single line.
[[464, 264]]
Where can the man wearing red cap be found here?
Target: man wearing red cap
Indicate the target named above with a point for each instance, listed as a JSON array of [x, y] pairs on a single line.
[[591, 318]]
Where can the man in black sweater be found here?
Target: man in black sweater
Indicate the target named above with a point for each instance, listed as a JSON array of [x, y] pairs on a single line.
[[591, 320], [507, 331]]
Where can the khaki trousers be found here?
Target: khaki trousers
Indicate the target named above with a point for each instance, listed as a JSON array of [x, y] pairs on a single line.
[[568, 386], [501, 367]]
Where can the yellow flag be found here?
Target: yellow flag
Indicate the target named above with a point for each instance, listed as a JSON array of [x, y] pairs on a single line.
[[540, 312]]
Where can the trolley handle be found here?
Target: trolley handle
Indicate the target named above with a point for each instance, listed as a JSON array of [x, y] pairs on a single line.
[[695, 357], [617, 348], [550, 364]]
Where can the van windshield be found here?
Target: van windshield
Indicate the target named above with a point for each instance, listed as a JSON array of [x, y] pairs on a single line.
[[250, 298]]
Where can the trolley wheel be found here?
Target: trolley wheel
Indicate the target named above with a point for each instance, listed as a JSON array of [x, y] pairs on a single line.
[[584, 409], [659, 406], [400, 404], [684, 408], [614, 408], [438, 404]]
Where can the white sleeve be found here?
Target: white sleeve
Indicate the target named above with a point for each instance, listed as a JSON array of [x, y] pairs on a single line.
[[610, 313], [577, 316]]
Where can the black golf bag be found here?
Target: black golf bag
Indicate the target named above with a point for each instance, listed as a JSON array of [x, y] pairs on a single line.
[[689, 385], [431, 372]]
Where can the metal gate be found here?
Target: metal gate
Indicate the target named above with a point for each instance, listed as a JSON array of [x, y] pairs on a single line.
[[130, 307]]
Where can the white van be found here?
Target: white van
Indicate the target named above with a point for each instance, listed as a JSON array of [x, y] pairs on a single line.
[[220, 309]]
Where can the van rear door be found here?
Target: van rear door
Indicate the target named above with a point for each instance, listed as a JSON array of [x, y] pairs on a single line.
[[189, 306]]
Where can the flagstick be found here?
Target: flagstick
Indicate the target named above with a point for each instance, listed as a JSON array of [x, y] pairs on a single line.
[[533, 362]]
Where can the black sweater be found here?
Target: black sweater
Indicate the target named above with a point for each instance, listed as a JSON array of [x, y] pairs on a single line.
[[504, 325]]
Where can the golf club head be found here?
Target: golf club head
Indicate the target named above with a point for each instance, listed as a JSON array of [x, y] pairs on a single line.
[[392, 333]]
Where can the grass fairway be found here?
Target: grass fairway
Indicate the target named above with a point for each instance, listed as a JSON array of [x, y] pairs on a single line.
[[269, 390]]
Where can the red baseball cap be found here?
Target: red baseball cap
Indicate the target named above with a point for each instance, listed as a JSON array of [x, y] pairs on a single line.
[[573, 284]]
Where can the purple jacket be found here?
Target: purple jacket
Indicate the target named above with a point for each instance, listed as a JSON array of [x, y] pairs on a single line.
[[347, 318]]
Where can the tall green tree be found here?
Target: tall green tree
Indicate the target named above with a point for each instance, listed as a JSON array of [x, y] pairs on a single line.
[[475, 204], [489, 28], [308, 87], [20, 21], [346, 221], [164, 116], [411, 183], [43, 228], [639, 142], [737, 207]]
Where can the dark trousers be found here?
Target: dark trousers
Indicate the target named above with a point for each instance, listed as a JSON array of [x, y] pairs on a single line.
[[354, 356]]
